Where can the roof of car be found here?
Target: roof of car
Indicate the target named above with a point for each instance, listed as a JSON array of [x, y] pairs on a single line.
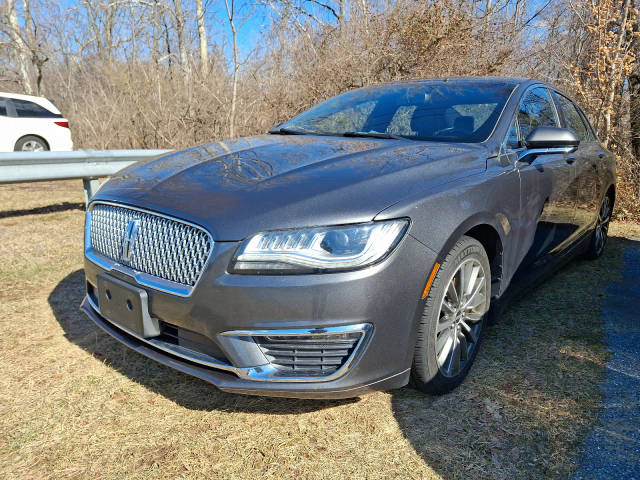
[[21, 96], [42, 101], [508, 80]]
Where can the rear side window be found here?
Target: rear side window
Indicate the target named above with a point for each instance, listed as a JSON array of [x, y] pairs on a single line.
[[3, 106], [573, 119], [28, 109], [536, 110]]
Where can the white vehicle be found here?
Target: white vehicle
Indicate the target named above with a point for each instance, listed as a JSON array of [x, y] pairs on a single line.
[[32, 124]]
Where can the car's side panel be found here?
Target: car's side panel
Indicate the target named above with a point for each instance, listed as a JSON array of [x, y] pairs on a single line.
[[492, 198], [549, 185], [606, 173], [586, 157], [589, 183], [605, 164], [549, 199]]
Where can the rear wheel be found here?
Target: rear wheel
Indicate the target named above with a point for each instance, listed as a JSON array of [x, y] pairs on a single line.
[[31, 143], [601, 231], [453, 319]]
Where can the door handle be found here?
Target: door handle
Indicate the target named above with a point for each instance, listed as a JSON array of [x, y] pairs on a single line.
[[570, 159]]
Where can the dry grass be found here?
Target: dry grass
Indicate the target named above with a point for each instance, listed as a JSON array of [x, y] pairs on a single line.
[[76, 404]]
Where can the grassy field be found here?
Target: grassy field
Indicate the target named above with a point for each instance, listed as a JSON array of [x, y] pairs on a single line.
[[74, 403]]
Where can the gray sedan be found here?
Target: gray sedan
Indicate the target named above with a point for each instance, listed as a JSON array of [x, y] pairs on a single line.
[[359, 246]]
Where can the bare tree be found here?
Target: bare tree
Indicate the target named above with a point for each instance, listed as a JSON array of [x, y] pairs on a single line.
[[606, 59], [634, 94], [182, 36], [18, 46], [37, 56], [314, 10], [231, 12], [202, 35]]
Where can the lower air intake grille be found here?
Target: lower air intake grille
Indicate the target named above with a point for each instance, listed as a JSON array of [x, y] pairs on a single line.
[[308, 355], [192, 340]]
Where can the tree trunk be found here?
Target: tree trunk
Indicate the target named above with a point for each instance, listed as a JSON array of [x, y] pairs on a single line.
[[634, 96], [20, 47], [167, 41], [28, 23], [182, 37], [608, 106], [202, 35], [634, 93], [234, 93], [37, 60], [236, 67], [110, 14]]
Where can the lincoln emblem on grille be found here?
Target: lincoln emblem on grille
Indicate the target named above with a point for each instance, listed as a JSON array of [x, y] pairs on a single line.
[[129, 240]]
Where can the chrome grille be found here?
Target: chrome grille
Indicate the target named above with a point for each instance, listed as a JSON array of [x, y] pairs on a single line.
[[165, 248], [309, 354]]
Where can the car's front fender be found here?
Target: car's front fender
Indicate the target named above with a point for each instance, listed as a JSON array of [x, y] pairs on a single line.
[[440, 218]]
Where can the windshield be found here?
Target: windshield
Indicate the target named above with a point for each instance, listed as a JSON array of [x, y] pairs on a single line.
[[436, 111]]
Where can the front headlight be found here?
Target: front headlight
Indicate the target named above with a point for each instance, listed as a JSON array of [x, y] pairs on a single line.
[[319, 249]]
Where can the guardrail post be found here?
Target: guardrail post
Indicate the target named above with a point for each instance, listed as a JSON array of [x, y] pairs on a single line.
[[90, 188]]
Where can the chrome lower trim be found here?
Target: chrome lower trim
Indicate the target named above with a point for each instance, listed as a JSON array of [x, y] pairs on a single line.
[[359, 328], [265, 372], [143, 279]]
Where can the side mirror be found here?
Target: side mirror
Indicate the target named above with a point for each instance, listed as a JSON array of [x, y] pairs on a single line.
[[551, 137]]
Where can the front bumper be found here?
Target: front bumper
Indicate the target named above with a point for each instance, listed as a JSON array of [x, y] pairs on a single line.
[[385, 297]]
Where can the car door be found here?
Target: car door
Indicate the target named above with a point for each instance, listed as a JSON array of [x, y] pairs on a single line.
[[587, 156], [547, 197]]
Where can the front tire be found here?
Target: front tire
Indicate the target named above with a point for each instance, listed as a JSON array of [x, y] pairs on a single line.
[[453, 319]]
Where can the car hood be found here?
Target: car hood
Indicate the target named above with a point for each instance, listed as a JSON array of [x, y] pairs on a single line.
[[242, 186]]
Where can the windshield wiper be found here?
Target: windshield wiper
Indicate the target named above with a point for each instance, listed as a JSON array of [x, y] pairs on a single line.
[[286, 131], [373, 135]]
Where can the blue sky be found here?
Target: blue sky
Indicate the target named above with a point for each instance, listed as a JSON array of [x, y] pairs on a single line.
[[250, 32], [216, 16]]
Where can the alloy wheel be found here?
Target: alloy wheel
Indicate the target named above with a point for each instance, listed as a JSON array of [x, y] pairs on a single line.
[[32, 146], [462, 310], [602, 224]]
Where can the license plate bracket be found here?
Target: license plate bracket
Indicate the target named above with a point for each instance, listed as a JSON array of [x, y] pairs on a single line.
[[126, 306]]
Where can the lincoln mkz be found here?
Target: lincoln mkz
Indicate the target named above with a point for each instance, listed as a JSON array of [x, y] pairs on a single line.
[[360, 246]]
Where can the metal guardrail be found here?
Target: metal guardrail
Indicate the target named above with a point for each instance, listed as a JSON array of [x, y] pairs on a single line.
[[89, 165]]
